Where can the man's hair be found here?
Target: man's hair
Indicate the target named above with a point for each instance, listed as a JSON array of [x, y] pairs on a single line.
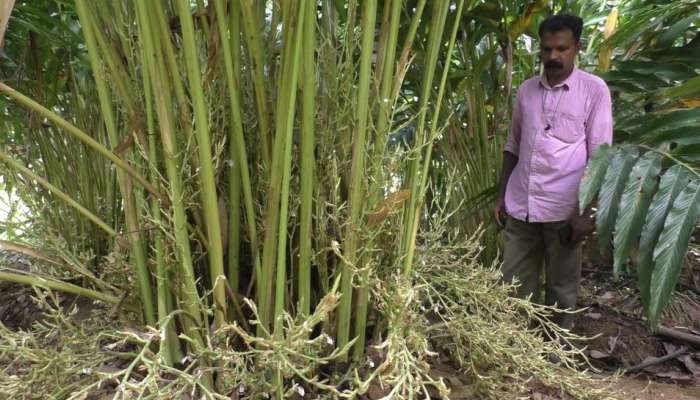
[[560, 22]]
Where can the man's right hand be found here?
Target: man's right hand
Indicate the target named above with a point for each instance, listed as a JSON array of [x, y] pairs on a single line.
[[499, 212], [510, 160]]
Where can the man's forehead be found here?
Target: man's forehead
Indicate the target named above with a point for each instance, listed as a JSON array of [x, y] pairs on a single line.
[[560, 36]]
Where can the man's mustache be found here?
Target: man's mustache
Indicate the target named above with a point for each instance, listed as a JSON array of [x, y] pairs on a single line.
[[553, 65]]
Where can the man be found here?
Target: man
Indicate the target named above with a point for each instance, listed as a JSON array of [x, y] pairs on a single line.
[[559, 120]]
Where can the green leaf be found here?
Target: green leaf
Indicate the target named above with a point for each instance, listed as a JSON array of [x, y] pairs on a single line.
[[610, 192], [687, 152], [687, 55], [643, 81], [675, 31], [660, 67], [672, 182], [634, 205], [682, 136], [653, 124], [672, 247], [687, 89], [593, 176], [674, 119]]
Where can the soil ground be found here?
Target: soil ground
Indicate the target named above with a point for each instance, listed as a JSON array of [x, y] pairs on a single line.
[[621, 338]]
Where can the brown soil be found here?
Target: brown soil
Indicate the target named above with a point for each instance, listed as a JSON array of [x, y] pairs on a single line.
[[17, 309], [622, 339], [642, 389], [618, 342]]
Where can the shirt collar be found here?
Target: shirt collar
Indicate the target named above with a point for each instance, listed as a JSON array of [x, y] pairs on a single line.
[[567, 83]]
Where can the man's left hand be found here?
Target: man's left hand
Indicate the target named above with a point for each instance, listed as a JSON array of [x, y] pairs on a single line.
[[581, 226]]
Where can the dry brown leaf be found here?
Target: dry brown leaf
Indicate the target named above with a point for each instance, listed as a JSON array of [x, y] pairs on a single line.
[[390, 204], [598, 355], [676, 376], [609, 295], [690, 364], [594, 316], [670, 347], [612, 342], [693, 103]]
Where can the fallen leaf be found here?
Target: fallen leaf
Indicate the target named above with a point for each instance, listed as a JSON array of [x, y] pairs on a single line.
[[612, 342], [670, 347], [609, 295], [598, 355], [676, 376], [107, 369], [376, 392], [594, 316], [691, 365]]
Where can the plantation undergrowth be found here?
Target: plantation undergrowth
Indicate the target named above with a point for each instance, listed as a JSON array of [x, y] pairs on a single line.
[[455, 313]]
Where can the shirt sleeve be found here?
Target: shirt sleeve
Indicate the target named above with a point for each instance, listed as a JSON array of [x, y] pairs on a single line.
[[599, 125], [512, 144]]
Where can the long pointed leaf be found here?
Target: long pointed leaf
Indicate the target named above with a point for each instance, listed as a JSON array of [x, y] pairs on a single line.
[[672, 247], [674, 31], [634, 205], [611, 191], [687, 89], [672, 182], [593, 176]]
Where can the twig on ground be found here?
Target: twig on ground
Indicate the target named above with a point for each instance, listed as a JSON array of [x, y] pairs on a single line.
[[656, 360], [678, 335]]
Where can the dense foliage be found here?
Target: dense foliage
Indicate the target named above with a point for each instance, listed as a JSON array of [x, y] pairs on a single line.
[[648, 204], [291, 194]]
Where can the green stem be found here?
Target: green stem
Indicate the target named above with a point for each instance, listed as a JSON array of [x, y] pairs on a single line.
[[240, 174], [234, 173], [383, 126], [155, 61], [433, 133], [307, 155], [77, 133], [407, 45], [53, 284], [255, 53], [163, 31], [207, 179], [170, 347], [385, 102], [285, 127], [134, 231], [357, 173], [283, 138], [120, 79], [57, 192], [411, 216], [438, 102]]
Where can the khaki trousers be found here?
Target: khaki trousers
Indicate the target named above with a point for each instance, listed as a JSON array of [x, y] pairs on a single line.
[[528, 246]]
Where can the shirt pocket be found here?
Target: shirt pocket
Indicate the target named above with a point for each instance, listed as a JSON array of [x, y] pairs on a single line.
[[571, 127]]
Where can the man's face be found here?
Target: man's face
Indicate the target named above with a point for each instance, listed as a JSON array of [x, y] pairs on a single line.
[[558, 52]]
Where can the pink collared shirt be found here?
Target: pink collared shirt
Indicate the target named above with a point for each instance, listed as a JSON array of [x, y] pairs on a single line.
[[554, 132]]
